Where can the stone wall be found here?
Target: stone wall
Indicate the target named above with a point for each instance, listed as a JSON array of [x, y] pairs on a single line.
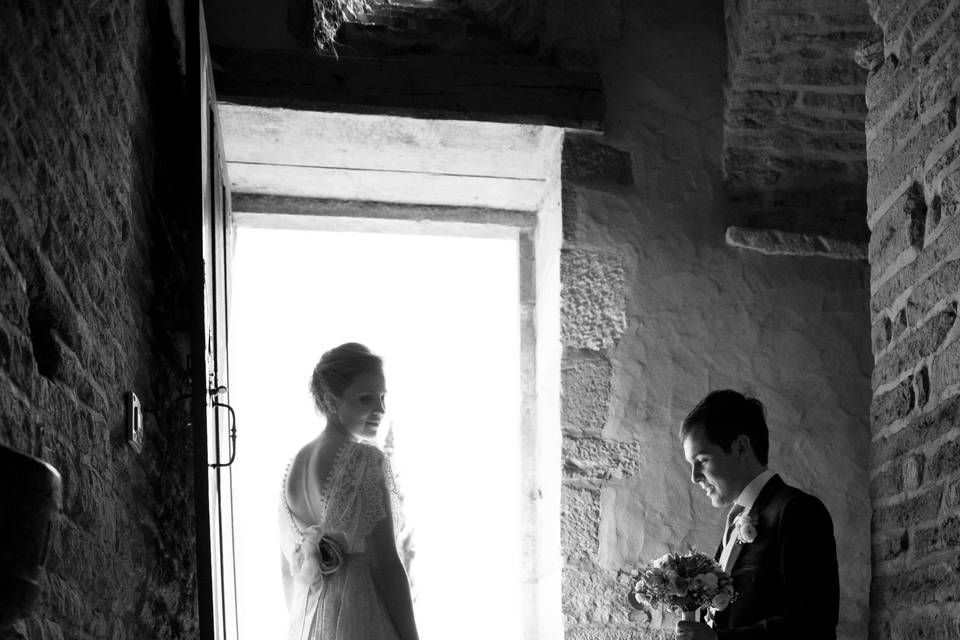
[[93, 286], [793, 147], [657, 311], [913, 151]]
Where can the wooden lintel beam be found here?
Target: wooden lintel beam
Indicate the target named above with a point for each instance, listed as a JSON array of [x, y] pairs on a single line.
[[271, 204], [428, 87]]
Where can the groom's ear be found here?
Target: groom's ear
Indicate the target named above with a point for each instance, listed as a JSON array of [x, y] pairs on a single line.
[[742, 445]]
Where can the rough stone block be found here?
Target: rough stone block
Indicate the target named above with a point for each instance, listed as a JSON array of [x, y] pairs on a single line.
[[595, 597], [938, 80], [888, 482], [940, 171], [945, 461], [941, 536], [760, 21], [39, 628], [886, 174], [13, 304], [837, 74], [579, 524], [756, 121], [869, 52], [927, 14], [893, 405], [599, 458], [887, 83], [917, 345], [585, 395], [901, 228], [951, 498], [927, 583], [897, 23], [572, 203], [933, 254], [586, 159], [900, 324], [880, 333], [890, 129], [921, 387], [879, 627], [752, 100], [785, 243], [890, 548], [593, 299], [924, 428], [755, 141], [920, 508], [837, 145], [941, 285], [913, 471], [927, 623], [633, 631], [945, 369]]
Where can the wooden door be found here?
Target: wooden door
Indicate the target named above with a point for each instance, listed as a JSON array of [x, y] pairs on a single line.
[[213, 420]]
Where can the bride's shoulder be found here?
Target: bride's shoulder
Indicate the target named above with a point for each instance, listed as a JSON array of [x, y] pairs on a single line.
[[363, 450], [297, 463]]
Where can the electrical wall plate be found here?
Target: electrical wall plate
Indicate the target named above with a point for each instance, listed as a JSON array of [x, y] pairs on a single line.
[[134, 422]]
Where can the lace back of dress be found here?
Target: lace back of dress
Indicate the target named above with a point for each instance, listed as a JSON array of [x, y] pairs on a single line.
[[358, 492], [354, 496]]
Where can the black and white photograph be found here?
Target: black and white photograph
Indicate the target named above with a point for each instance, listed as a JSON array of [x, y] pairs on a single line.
[[480, 320]]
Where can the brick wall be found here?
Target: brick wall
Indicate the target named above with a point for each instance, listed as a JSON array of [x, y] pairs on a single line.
[[913, 153], [93, 288], [793, 118]]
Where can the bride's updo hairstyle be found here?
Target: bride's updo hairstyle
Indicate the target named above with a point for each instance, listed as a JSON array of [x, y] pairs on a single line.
[[337, 369]]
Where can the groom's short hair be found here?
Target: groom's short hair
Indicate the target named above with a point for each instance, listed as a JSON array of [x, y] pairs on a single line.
[[726, 414]]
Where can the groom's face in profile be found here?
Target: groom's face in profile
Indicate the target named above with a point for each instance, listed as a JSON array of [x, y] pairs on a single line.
[[716, 471]]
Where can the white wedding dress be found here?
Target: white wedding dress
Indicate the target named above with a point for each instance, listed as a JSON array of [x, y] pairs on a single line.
[[345, 604]]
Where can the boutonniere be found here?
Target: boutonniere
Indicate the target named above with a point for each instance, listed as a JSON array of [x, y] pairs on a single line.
[[745, 526]]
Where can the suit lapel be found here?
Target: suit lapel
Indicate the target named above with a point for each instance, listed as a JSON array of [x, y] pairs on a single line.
[[766, 495]]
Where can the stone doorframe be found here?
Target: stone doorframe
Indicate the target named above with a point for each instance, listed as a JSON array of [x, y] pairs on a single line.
[[536, 223]]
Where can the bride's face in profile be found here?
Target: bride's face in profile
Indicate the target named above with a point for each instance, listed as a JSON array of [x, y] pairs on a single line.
[[360, 408]]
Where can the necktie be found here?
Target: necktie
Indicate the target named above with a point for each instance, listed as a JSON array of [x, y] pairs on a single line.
[[735, 510]]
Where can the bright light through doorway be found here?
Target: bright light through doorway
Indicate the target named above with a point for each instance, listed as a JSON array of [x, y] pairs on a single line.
[[443, 312]]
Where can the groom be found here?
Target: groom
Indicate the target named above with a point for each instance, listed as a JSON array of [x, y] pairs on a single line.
[[779, 548]]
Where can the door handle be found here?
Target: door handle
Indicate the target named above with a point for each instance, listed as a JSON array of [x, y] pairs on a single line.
[[233, 436]]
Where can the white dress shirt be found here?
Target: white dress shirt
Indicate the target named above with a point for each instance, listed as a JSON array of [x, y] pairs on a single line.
[[746, 499]]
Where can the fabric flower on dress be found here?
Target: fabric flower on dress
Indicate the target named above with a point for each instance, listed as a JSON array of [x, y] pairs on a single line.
[[315, 556], [745, 526]]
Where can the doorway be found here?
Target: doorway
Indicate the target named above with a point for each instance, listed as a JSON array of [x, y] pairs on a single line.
[[419, 221], [443, 312]]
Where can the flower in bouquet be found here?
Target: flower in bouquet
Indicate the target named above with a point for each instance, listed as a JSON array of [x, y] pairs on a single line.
[[682, 582], [315, 556]]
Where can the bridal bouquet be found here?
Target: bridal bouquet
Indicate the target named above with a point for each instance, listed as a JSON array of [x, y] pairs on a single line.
[[684, 583]]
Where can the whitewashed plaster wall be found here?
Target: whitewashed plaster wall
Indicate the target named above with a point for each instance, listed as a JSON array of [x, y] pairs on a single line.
[[658, 311]]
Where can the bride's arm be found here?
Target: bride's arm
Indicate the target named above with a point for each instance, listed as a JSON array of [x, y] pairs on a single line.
[[390, 576], [287, 579]]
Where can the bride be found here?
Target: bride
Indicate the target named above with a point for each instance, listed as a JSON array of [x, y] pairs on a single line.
[[342, 575]]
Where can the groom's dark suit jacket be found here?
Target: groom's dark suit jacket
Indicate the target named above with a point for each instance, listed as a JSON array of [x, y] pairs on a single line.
[[787, 578]]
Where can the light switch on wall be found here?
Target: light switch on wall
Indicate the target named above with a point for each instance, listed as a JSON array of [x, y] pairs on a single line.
[[134, 422]]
